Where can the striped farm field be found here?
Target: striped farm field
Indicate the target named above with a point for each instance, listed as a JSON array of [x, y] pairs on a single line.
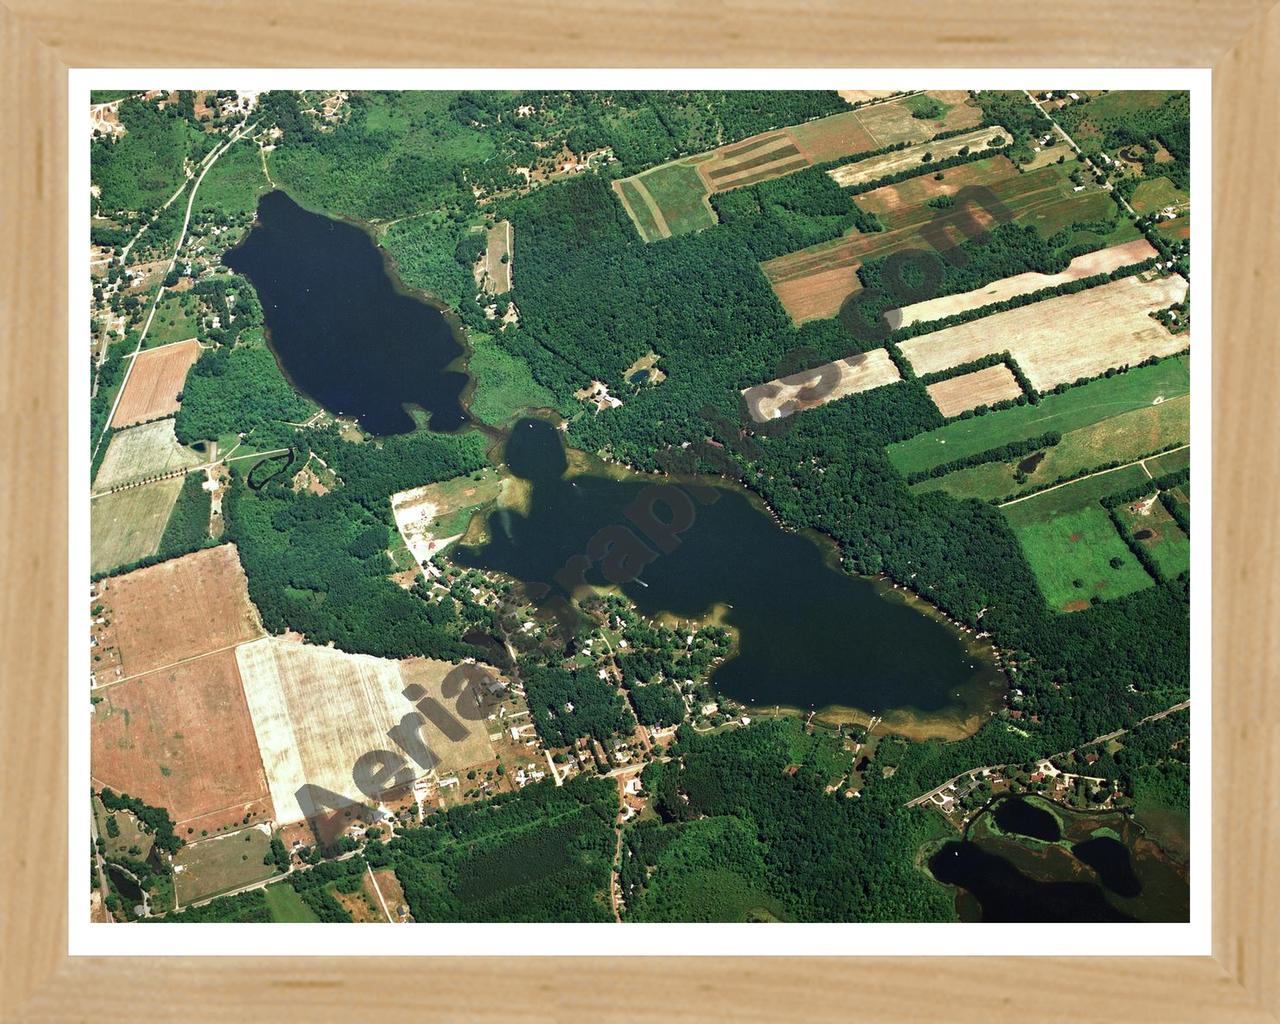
[[154, 383], [1101, 261], [863, 171], [672, 199], [1065, 338], [1141, 387], [814, 283]]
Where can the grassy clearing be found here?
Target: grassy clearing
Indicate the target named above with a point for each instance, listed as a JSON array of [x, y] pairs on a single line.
[[639, 211], [127, 526], [129, 841], [1071, 556], [1170, 462], [1155, 530], [1121, 438], [175, 319], [286, 905], [1071, 497], [1075, 408], [1156, 194], [221, 863], [233, 184], [504, 385]]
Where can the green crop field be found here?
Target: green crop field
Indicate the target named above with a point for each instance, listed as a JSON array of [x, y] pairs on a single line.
[[1170, 462], [1073, 409], [1071, 556], [1122, 438], [639, 210], [679, 191], [127, 526]]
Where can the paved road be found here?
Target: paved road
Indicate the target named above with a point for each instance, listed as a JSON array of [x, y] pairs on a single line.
[[1106, 737], [1072, 143]]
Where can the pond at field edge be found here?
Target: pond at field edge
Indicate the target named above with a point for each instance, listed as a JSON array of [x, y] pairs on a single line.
[[344, 330]]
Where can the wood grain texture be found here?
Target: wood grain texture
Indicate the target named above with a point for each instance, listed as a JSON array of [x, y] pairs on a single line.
[[39, 39]]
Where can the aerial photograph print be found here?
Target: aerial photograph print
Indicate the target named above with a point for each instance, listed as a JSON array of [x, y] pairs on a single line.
[[613, 506]]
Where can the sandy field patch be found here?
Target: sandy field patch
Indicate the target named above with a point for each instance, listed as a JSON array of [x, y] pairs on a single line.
[[127, 526], [1064, 338], [810, 388], [155, 382], [344, 723], [497, 274], [863, 171], [862, 95], [179, 609], [142, 452], [970, 390], [1102, 261], [181, 739]]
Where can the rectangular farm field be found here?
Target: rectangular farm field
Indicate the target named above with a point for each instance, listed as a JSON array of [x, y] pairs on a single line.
[[222, 863]]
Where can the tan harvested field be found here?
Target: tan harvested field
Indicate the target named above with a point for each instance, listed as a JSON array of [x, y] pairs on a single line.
[[127, 526], [1064, 338], [154, 382], [1101, 261], [779, 398], [902, 159], [862, 95], [179, 609], [322, 716], [142, 452], [181, 739], [970, 390]]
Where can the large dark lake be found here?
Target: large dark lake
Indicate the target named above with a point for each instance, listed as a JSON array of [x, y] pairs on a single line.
[[343, 330], [809, 634]]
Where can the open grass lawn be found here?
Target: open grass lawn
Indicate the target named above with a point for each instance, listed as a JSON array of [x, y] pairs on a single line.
[[1075, 408], [1155, 194], [130, 835], [1169, 462], [127, 526], [175, 319], [1122, 438], [1071, 553], [221, 863], [1155, 530], [286, 905], [233, 184], [504, 385]]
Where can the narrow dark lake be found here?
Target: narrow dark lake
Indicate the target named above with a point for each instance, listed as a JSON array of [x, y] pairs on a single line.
[[342, 328], [809, 635]]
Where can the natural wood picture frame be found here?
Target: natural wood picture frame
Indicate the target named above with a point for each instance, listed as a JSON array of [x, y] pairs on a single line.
[[40, 40]]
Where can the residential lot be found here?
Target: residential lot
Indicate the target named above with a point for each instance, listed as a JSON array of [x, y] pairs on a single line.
[[1109, 326], [155, 382]]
